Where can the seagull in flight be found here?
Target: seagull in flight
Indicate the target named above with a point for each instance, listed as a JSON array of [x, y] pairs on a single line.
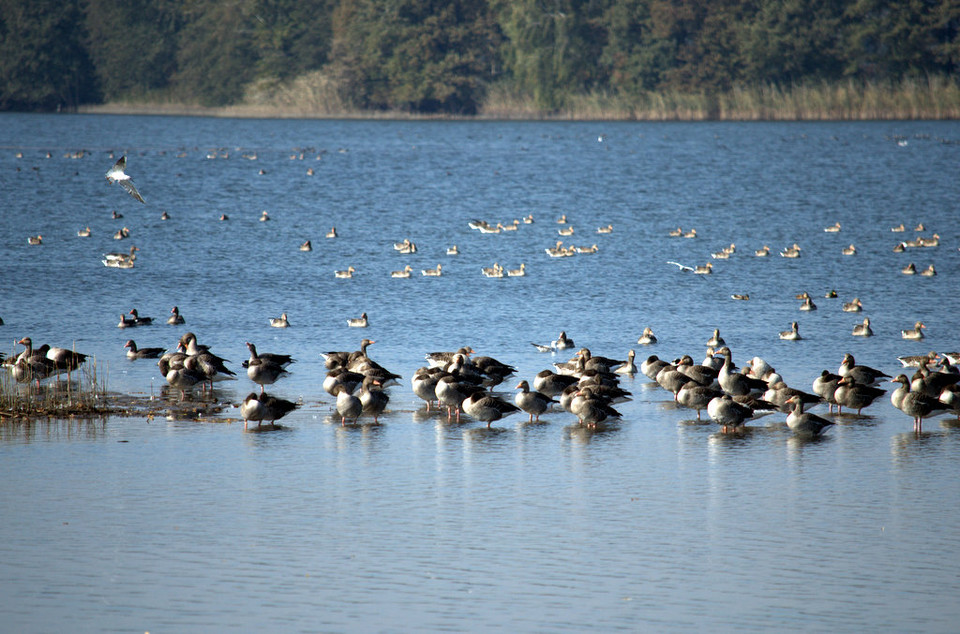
[[117, 175]]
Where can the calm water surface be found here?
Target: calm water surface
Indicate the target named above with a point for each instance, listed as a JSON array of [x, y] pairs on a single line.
[[657, 523]]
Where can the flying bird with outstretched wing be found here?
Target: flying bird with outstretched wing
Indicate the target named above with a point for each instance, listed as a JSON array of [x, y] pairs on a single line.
[[116, 174]]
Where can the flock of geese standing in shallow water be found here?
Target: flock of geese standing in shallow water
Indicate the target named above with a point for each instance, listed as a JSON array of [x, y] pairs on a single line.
[[587, 386]]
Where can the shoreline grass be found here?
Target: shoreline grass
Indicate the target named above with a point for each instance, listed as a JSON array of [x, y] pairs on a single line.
[[315, 96]]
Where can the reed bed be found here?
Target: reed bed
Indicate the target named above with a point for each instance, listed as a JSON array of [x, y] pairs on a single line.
[[316, 95], [83, 392]]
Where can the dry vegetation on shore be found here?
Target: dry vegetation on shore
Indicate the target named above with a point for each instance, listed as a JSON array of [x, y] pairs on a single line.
[[314, 96]]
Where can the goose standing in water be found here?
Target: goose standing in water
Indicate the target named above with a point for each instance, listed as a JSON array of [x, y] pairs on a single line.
[[280, 322], [804, 423], [915, 404], [487, 408], [793, 334], [262, 370], [915, 333], [264, 407], [728, 413], [373, 400], [532, 402], [863, 330], [628, 367], [348, 405]]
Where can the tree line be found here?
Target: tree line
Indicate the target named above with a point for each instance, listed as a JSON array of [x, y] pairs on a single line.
[[445, 57]]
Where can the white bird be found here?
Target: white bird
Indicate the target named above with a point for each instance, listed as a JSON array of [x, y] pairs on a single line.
[[117, 175]]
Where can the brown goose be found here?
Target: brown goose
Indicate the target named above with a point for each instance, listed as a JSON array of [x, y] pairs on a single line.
[[804, 423]]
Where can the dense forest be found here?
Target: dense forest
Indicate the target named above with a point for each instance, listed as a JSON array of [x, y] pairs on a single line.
[[459, 57]]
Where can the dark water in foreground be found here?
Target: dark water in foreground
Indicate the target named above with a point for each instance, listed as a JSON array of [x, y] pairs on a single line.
[[657, 523]]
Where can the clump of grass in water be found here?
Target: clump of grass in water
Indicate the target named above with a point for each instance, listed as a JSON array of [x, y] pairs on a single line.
[[84, 394]]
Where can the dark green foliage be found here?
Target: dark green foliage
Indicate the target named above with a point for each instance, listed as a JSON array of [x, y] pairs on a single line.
[[43, 64], [440, 56]]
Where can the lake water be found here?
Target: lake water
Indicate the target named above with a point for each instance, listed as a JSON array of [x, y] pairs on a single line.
[[658, 523]]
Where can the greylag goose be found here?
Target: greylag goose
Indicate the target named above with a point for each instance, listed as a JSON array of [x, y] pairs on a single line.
[[690, 234], [607, 229], [910, 269], [424, 384], [345, 274], [175, 318], [358, 322], [117, 174], [348, 405], [804, 423], [185, 376], [899, 228], [915, 333], [675, 233], [373, 400], [522, 271], [915, 360], [590, 409], [126, 323], [779, 395], [835, 227], [563, 341], [133, 352], [140, 321], [264, 407], [762, 252], [716, 340], [863, 330], [532, 402], [793, 334], [437, 272], [854, 395], [280, 322], [84, 233], [264, 217], [854, 306], [404, 273], [262, 371], [492, 271], [647, 337], [736, 383], [808, 304], [487, 407], [451, 393], [551, 384], [863, 374], [628, 367], [696, 396], [850, 250], [727, 412], [164, 216], [825, 386], [915, 404], [929, 271], [332, 233], [651, 367], [453, 250], [112, 259], [306, 246]]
